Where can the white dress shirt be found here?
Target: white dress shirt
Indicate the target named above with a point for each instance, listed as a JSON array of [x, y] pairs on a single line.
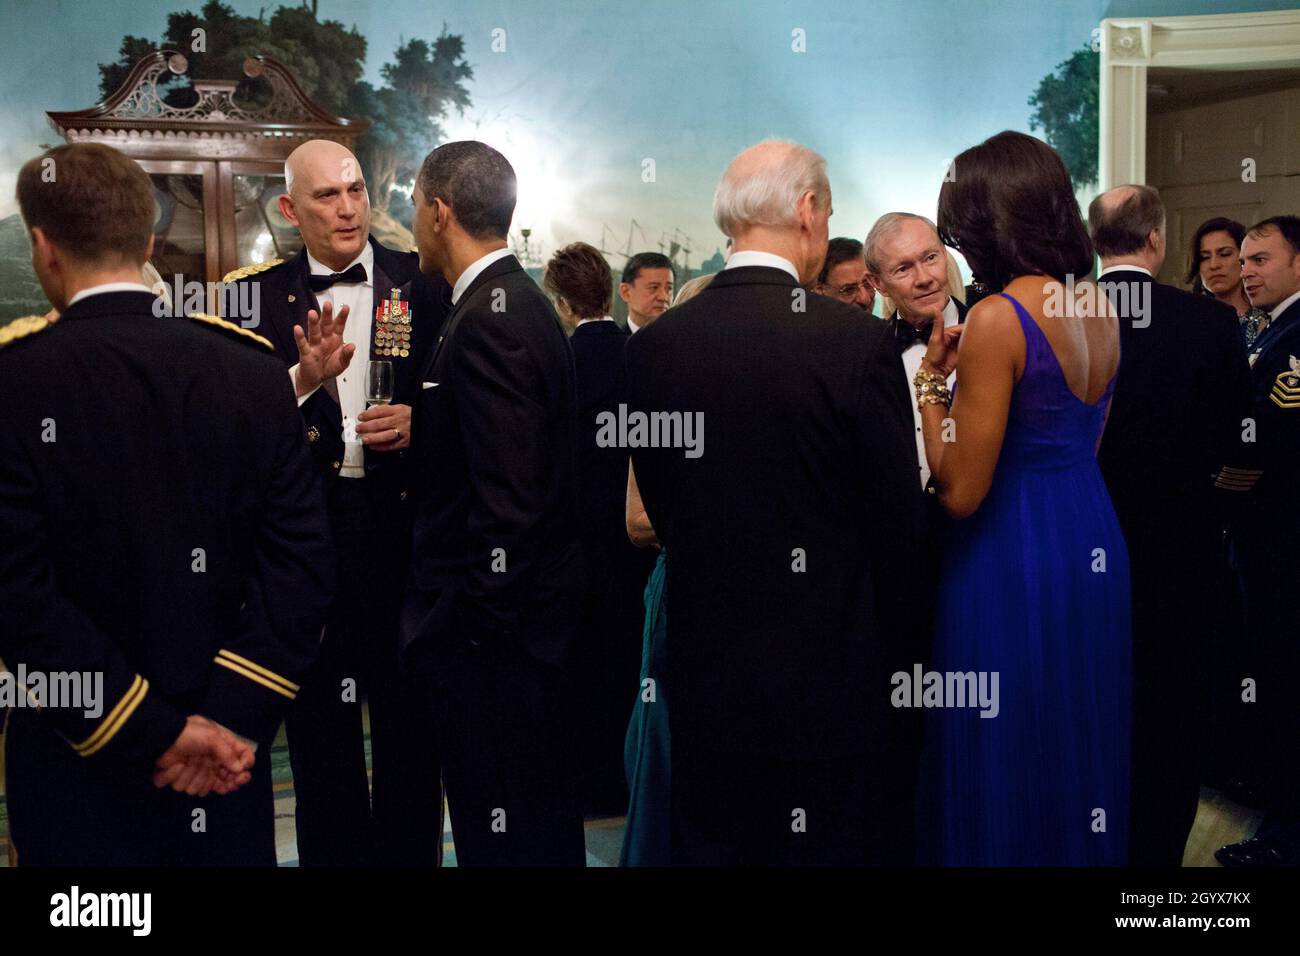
[[1126, 266], [632, 327], [107, 287], [911, 362], [359, 297], [753, 257], [472, 272], [605, 318], [1282, 306]]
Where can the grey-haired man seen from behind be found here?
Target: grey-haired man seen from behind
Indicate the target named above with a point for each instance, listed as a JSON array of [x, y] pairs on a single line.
[[783, 621]]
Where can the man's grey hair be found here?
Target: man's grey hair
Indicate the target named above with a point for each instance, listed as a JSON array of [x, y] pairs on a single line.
[[288, 177], [884, 227], [770, 195], [1120, 226]]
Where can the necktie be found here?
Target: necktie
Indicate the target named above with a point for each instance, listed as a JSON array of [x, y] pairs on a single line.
[[320, 283]]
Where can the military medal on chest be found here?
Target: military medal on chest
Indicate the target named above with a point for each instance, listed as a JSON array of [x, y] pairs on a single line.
[[393, 327]]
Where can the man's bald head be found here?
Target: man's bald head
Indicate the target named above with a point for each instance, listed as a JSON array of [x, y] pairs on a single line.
[[326, 199], [319, 159], [1122, 220]]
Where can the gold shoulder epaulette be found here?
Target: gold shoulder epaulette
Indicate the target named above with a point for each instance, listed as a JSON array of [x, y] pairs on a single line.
[[244, 271], [21, 328], [233, 329]]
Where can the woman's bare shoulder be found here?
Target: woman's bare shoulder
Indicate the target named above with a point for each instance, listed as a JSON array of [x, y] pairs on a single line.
[[993, 316]]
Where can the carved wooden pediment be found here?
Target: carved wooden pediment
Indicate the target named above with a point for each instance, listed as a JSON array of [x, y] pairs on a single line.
[[140, 108]]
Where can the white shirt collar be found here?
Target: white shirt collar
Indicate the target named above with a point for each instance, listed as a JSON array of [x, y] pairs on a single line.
[[108, 287], [632, 326], [1282, 306], [603, 318], [366, 258], [1127, 267], [753, 257], [472, 271]]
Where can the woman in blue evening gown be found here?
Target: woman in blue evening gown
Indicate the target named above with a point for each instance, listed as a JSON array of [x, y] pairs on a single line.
[[1035, 585]]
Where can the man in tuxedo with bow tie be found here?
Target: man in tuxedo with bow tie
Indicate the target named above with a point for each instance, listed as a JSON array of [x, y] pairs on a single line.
[[343, 301], [497, 577], [906, 261]]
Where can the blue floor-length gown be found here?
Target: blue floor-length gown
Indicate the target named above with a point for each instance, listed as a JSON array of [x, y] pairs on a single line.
[[1035, 586]]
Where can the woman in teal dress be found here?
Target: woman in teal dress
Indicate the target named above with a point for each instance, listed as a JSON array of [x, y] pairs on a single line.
[[646, 753]]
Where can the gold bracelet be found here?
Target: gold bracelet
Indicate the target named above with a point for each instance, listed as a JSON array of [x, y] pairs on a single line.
[[931, 389]]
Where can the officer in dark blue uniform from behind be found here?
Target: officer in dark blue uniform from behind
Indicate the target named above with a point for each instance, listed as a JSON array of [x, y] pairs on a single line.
[[343, 301], [160, 531], [1263, 489]]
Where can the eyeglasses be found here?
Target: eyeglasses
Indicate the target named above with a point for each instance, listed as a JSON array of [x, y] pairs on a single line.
[[851, 291]]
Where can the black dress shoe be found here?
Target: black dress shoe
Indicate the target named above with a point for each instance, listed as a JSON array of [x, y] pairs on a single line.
[[1257, 853]]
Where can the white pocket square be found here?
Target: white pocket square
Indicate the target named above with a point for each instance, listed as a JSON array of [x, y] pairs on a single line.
[[424, 385]]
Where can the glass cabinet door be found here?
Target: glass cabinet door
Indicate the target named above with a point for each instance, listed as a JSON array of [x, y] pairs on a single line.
[[253, 230], [185, 219]]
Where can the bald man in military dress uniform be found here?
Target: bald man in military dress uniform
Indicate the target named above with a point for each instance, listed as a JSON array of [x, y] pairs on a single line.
[[344, 301]]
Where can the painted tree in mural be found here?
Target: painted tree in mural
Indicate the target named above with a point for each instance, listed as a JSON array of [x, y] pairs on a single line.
[[423, 84], [1065, 108]]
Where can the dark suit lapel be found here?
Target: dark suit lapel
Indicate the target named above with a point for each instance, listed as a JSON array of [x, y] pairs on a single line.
[[503, 266]]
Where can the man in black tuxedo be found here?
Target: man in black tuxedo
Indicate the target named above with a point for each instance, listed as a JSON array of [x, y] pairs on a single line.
[[497, 576], [608, 655], [343, 301], [781, 509], [162, 539], [1174, 419], [906, 261]]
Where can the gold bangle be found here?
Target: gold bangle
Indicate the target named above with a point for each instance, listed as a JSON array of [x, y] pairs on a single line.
[[931, 389]]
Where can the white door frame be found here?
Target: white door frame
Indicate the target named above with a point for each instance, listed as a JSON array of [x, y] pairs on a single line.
[[1129, 47]]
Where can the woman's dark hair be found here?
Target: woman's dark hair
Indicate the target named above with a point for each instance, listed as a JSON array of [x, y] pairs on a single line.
[[579, 274], [1217, 224], [1009, 208]]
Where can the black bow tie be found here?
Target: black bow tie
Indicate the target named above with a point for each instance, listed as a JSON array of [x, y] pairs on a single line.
[[320, 283], [908, 335]]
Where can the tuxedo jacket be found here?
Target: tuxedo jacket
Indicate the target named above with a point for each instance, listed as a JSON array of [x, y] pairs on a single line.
[[495, 550], [161, 525], [601, 385], [286, 298], [1176, 412], [618, 569], [781, 536]]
